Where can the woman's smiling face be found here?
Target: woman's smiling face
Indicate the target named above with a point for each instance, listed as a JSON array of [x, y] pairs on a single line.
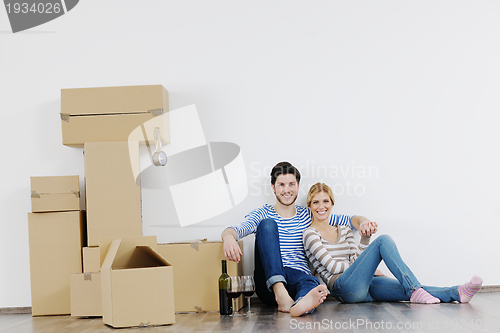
[[321, 206]]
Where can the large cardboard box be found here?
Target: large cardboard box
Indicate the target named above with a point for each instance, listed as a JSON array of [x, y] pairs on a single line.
[[55, 241], [112, 113], [197, 267], [53, 194], [91, 259], [113, 197], [86, 298], [137, 286]]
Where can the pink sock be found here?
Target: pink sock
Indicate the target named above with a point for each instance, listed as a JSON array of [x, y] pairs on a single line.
[[421, 296], [469, 289]]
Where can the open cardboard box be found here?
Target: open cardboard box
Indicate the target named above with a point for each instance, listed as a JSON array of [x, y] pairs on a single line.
[[137, 285], [110, 114]]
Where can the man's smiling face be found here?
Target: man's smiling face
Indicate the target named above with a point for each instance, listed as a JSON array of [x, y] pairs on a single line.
[[286, 189]]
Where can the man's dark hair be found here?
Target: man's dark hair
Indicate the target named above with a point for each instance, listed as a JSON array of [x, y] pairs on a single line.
[[284, 168]]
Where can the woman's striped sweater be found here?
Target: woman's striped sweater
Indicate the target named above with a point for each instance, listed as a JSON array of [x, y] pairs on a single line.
[[330, 259]]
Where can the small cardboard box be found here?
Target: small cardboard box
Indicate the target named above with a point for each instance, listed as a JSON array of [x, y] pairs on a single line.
[[86, 295], [113, 198], [197, 267], [112, 113], [91, 259], [53, 194], [137, 286], [56, 241]]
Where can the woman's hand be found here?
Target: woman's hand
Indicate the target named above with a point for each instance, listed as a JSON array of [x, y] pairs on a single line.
[[368, 228]]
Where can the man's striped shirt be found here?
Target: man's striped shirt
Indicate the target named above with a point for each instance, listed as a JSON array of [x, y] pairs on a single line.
[[289, 230]]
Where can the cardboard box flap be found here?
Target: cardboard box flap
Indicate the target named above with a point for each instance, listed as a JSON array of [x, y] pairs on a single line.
[[111, 254], [154, 256], [199, 240], [194, 243], [141, 257], [119, 255], [55, 185], [113, 100], [128, 245], [35, 194], [67, 117]]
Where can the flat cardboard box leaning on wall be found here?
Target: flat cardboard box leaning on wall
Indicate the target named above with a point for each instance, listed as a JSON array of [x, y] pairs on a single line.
[[110, 114], [137, 286], [197, 267], [55, 194]]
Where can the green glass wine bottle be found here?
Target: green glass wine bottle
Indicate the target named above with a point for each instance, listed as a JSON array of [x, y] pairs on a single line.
[[225, 304]]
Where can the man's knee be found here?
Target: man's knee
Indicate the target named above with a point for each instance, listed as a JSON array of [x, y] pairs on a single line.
[[307, 281], [313, 280], [266, 226]]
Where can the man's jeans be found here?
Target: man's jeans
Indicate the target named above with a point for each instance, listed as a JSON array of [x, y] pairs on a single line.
[[269, 267], [357, 283]]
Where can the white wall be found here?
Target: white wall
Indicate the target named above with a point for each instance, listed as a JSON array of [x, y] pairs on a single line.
[[406, 90]]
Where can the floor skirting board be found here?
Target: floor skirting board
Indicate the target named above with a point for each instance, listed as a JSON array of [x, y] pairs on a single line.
[[489, 289], [18, 310], [27, 309]]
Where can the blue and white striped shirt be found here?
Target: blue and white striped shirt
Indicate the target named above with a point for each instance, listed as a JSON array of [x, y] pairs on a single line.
[[290, 232]]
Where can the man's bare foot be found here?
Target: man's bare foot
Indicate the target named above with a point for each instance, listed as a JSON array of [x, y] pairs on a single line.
[[310, 301], [284, 303], [282, 297]]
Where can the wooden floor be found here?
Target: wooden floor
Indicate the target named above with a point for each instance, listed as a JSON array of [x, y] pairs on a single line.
[[481, 315]]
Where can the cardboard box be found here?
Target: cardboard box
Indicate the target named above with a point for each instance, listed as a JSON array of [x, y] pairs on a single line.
[[53, 194], [91, 259], [56, 241], [111, 114], [86, 295], [197, 267], [137, 286], [113, 197]]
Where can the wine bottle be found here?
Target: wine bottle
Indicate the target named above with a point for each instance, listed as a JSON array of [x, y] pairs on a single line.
[[225, 303]]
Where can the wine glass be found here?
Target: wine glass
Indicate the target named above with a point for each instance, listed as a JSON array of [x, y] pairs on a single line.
[[234, 291], [248, 288]]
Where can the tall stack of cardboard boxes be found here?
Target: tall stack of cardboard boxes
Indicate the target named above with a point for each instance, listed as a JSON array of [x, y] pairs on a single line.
[[126, 278], [102, 121], [56, 236]]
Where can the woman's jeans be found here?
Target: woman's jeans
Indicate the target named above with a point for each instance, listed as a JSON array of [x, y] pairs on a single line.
[[357, 283], [269, 267]]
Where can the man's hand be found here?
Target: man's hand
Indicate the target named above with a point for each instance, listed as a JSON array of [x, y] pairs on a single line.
[[231, 248], [368, 228]]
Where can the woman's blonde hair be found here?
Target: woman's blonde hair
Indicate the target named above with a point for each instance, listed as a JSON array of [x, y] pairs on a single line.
[[317, 188]]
